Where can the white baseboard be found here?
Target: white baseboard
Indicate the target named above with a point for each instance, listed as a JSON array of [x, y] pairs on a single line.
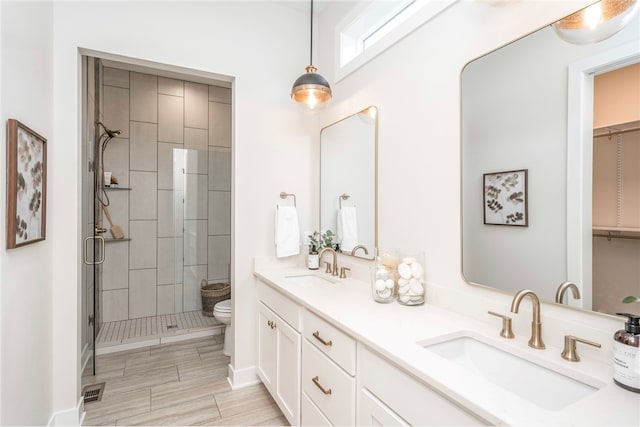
[[239, 378], [68, 417]]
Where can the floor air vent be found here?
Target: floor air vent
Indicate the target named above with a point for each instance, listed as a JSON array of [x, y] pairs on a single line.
[[93, 392], [172, 327]]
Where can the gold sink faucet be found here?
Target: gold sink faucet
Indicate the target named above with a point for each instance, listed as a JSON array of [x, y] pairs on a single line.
[[536, 327], [363, 247], [562, 289], [334, 266]]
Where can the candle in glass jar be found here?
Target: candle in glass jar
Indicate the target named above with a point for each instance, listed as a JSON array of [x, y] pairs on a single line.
[[389, 260]]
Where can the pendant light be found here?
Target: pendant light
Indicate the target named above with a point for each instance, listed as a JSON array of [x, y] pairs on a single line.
[[311, 89], [597, 22]]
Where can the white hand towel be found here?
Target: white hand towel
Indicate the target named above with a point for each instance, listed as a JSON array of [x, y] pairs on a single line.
[[347, 228], [287, 231]]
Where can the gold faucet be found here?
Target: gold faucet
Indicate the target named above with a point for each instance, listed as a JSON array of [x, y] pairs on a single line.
[[562, 289], [536, 327], [569, 352], [355, 248], [334, 271]]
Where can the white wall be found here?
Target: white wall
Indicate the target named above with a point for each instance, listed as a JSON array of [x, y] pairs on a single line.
[[254, 43], [26, 94], [416, 84]]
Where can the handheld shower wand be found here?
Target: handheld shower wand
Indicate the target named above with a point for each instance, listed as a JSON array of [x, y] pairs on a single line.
[[104, 139]]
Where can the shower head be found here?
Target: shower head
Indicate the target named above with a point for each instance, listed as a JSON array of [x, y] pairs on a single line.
[[111, 133]]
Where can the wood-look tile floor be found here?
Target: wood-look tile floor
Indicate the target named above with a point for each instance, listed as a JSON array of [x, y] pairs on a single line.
[[182, 383]]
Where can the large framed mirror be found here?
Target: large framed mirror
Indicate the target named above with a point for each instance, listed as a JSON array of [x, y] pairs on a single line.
[[348, 182], [519, 113]]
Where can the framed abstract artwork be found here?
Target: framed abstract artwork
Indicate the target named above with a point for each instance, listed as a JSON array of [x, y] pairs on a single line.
[[505, 198], [26, 185]]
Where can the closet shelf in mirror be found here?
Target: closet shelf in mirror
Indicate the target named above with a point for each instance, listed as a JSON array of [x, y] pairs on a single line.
[[616, 232], [118, 188], [117, 240]]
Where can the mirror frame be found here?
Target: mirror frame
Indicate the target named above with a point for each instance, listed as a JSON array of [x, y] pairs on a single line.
[[580, 74], [372, 251]]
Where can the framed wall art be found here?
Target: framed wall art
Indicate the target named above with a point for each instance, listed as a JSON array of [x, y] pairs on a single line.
[[505, 198], [26, 185]]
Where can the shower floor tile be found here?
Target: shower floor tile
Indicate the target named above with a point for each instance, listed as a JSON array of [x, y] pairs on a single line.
[[153, 330]]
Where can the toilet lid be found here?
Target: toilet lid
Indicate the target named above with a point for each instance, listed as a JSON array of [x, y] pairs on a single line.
[[223, 306]]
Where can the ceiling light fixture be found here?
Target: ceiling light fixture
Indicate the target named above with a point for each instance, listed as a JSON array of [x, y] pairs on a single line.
[[311, 89], [597, 22]]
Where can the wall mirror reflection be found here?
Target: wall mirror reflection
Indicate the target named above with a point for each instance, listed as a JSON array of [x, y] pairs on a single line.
[[348, 182], [518, 112]]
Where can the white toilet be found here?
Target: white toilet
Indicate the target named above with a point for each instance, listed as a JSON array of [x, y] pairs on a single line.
[[222, 312]]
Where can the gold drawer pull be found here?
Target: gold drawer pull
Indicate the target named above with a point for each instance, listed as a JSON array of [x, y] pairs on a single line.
[[316, 335], [317, 383], [271, 324]]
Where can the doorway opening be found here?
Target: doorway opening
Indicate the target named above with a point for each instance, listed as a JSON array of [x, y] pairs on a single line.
[[157, 198]]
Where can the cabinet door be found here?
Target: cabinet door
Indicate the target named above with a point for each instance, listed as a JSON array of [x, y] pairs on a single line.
[[288, 371], [267, 347], [372, 412]]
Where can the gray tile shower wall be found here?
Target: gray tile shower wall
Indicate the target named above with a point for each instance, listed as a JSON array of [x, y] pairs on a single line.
[[174, 153]]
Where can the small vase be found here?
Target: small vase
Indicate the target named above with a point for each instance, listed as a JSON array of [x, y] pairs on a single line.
[[411, 279], [384, 276], [313, 261]]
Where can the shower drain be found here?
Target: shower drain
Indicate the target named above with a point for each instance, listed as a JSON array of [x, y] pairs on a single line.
[[172, 326], [93, 392]]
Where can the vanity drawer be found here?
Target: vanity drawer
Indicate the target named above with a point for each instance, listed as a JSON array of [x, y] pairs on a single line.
[[410, 400], [288, 310], [311, 415], [333, 391], [340, 347]]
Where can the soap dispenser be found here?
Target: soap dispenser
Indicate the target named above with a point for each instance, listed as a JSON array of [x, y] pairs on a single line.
[[626, 354]]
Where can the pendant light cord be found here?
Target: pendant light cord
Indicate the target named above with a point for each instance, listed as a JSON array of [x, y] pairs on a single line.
[[311, 38]]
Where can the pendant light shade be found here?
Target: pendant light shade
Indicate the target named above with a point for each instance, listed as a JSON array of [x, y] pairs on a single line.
[[597, 22], [311, 89]]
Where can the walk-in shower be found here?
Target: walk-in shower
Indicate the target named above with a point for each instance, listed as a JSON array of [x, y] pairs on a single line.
[[161, 169]]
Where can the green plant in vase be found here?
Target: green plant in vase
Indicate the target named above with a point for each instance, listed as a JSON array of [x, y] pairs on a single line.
[[327, 239], [315, 243]]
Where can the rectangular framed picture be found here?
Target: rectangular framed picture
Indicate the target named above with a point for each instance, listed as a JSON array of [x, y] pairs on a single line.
[[505, 198], [26, 185]]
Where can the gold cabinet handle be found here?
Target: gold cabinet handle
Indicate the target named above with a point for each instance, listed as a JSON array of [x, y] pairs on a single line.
[[316, 335], [271, 324], [317, 383]]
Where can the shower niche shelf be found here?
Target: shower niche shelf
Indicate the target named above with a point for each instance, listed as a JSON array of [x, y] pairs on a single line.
[[118, 188]]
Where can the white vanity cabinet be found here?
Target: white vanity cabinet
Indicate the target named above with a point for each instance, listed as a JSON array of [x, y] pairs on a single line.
[[279, 350], [389, 396], [328, 373]]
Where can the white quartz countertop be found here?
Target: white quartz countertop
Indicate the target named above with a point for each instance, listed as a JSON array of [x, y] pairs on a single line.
[[394, 331]]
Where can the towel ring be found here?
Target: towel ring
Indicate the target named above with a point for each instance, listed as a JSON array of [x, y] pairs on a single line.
[[284, 195], [343, 196]]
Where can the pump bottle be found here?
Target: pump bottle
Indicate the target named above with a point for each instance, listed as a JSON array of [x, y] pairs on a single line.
[[626, 354]]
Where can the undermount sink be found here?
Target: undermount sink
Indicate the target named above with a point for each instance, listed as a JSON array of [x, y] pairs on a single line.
[[310, 279], [539, 385]]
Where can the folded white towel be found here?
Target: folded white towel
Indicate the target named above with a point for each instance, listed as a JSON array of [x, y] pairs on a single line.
[[347, 228], [287, 231]]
